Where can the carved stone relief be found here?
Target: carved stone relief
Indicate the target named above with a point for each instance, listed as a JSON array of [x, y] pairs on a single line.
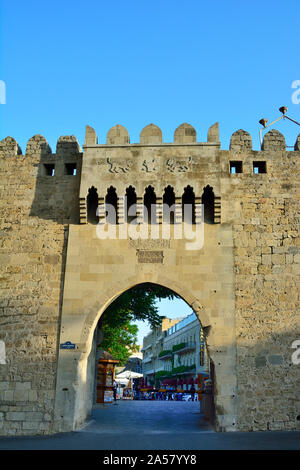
[[179, 165], [119, 165]]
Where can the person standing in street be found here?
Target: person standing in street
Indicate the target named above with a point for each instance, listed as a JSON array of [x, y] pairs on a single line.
[[115, 392]]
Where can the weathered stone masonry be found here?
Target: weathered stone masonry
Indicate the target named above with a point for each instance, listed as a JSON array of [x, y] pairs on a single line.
[[57, 277]]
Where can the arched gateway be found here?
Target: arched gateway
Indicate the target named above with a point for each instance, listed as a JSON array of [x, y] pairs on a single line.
[[63, 264], [74, 392], [193, 259]]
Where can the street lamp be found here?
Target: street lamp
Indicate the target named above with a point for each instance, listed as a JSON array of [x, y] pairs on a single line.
[[263, 122]]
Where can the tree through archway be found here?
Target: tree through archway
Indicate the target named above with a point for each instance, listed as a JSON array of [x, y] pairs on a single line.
[[179, 361]]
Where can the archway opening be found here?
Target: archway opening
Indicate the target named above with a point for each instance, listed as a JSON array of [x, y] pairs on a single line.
[[130, 205], [149, 205], [160, 347], [188, 205], [111, 205], [208, 201], [169, 204], [92, 206]]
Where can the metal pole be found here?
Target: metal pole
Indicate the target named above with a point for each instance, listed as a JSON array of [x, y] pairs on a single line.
[[273, 122], [292, 120]]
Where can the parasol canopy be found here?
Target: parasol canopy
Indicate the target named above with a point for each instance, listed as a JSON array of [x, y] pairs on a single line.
[[128, 374]]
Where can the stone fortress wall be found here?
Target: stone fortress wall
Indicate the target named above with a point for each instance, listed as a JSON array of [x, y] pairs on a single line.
[[244, 283]]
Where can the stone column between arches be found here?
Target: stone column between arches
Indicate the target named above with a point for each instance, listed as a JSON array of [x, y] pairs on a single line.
[[98, 271]]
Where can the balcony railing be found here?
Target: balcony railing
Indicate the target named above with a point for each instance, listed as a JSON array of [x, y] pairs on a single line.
[[181, 370], [186, 347], [166, 354], [177, 349], [147, 359]]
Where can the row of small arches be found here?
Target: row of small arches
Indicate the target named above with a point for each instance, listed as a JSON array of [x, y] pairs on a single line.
[[150, 199]]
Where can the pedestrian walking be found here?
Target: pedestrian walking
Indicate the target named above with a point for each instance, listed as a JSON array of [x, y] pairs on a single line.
[[115, 392]]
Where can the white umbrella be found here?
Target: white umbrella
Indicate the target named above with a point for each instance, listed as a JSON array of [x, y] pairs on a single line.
[[128, 374], [122, 381]]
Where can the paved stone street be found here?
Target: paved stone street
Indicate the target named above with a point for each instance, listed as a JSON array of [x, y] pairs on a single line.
[[153, 425]]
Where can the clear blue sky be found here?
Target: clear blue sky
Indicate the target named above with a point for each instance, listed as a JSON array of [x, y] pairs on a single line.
[[169, 308], [71, 63]]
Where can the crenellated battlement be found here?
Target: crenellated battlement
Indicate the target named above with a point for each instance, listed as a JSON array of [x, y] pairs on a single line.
[[37, 145], [151, 134], [68, 174], [184, 134], [9, 147]]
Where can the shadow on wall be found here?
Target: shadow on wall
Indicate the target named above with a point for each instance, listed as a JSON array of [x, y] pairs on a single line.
[[58, 179], [44, 186]]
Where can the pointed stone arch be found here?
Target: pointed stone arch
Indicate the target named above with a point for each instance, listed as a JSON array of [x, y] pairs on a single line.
[[121, 286], [188, 205], [92, 205], [169, 199], [208, 201], [150, 199], [111, 199], [130, 208]]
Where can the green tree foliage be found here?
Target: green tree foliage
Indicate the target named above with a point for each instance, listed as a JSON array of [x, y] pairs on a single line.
[[120, 340], [138, 303]]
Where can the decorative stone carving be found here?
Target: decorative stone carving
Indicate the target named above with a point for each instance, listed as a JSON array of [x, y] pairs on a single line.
[[176, 165], [149, 256], [149, 165], [141, 244], [119, 165]]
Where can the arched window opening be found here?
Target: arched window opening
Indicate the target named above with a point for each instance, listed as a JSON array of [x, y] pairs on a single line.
[[149, 205], [208, 201], [130, 204], [188, 205], [92, 206], [111, 206], [169, 200]]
